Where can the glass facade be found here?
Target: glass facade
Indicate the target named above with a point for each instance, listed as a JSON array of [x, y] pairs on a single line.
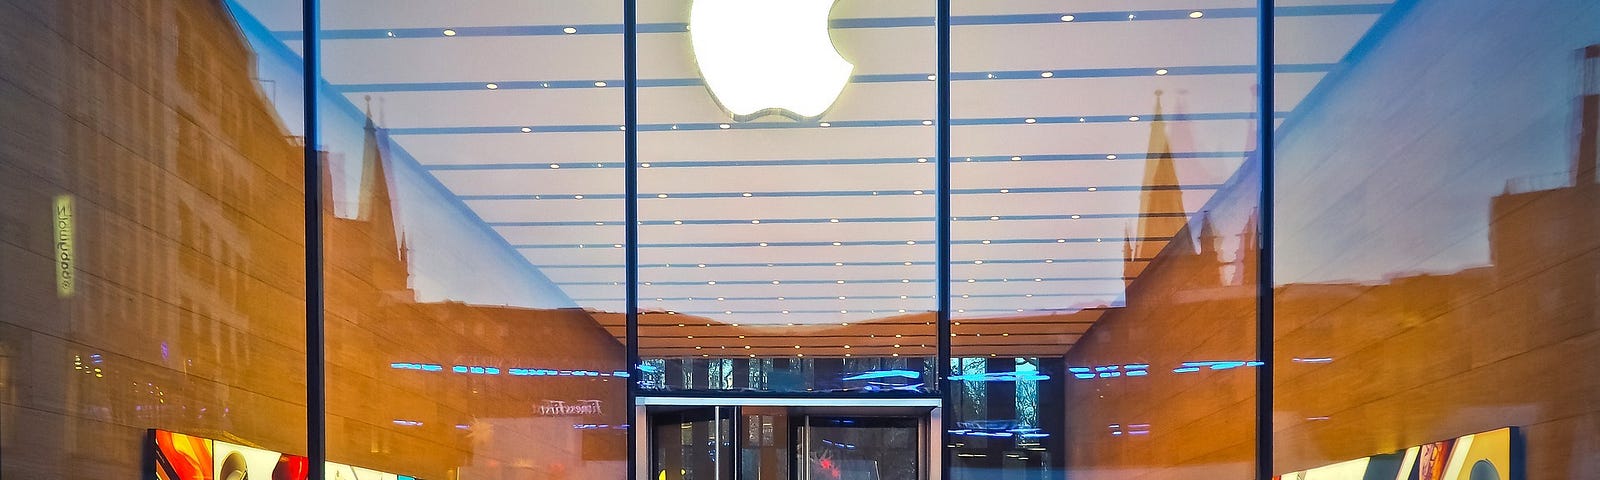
[[905, 239]]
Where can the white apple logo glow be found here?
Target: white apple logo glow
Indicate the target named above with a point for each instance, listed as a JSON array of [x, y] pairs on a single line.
[[761, 57]]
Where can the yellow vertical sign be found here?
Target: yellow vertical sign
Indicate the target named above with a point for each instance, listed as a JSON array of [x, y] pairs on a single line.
[[63, 240]]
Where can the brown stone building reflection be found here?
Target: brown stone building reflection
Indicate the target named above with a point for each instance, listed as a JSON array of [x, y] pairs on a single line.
[[186, 310], [1363, 367]]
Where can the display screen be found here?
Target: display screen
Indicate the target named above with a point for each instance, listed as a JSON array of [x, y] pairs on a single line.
[[1480, 456], [183, 457]]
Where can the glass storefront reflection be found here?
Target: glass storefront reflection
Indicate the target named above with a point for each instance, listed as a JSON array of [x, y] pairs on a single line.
[[1434, 220]]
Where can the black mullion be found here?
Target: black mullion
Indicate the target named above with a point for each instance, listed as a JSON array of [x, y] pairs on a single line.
[[1264, 280], [942, 233], [630, 106], [316, 353]]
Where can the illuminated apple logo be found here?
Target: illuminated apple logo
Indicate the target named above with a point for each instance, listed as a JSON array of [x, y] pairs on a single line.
[[763, 57]]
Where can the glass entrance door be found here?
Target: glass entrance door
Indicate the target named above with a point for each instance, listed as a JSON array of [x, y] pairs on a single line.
[[692, 444], [862, 448], [785, 443]]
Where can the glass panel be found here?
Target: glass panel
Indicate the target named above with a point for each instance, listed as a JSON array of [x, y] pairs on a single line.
[[765, 450], [151, 240], [792, 242], [1103, 205], [693, 445], [1006, 418], [474, 259], [1437, 239], [862, 448]]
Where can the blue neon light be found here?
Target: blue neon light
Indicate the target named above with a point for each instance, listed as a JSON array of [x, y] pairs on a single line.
[[877, 374]]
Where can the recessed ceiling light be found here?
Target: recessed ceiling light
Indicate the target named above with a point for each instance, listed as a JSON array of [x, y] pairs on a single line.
[[985, 242], [933, 77], [1134, 118], [765, 244], [577, 197], [527, 130], [724, 126], [746, 194], [755, 221], [838, 281], [491, 86], [841, 297], [661, 195], [972, 280], [1047, 74], [902, 297], [644, 165], [844, 311], [1016, 159], [977, 262], [833, 220], [677, 222], [1131, 16], [449, 32], [994, 218], [702, 265], [569, 30], [785, 312], [1061, 240], [711, 282], [1068, 18], [622, 127], [1075, 217], [838, 264], [1161, 71], [599, 84], [922, 160], [555, 165], [837, 244], [1196, 14], [599, 223], [824, 124], [1029, 120], [911, 242], [1049, 260], [1093, 189], [902, 310], [1005, 190], [927, 122], [616, 245], [964, 295], [1111, 157], [905, 280], [916, 192], [908, 264]]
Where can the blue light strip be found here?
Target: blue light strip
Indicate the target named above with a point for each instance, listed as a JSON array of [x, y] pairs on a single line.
[[915, 123], [516, 372], [1055, 157], [842, 23]]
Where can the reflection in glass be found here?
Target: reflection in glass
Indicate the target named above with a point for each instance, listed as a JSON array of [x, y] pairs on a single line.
[[1436, 260], [150, 260]]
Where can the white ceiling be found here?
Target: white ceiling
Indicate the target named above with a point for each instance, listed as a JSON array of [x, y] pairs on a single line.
[[863, 170]]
